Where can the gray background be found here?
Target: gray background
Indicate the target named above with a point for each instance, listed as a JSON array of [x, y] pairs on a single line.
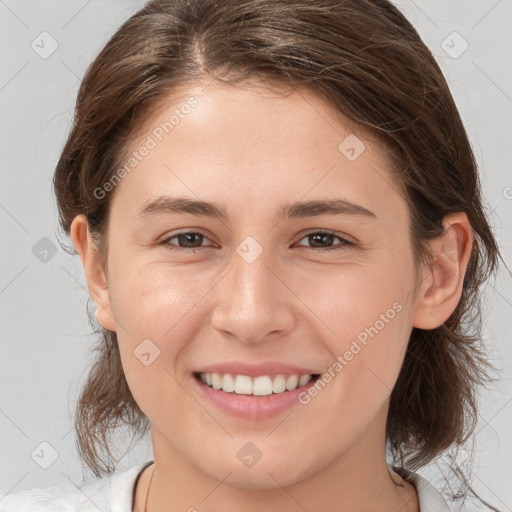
[[43, 296]]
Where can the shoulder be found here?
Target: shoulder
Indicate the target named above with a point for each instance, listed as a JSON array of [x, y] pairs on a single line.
[[113, 493], [429, 498]]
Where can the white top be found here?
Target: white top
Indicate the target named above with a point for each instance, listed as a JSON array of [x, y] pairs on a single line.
[[115, 494]]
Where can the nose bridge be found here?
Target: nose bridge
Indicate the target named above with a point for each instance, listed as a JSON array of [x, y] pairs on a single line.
[[252, 302], [252, 280]]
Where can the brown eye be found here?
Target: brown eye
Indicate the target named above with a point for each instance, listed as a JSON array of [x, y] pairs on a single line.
[[318, 240], [188, 241]]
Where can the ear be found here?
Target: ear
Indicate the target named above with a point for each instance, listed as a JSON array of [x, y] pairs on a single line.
[[94, 272], [441, 287]]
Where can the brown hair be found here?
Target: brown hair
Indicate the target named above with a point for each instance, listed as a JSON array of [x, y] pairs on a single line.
[[369, 63]]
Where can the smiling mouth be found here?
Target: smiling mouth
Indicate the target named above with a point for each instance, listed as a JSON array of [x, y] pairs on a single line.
[[263, 385]]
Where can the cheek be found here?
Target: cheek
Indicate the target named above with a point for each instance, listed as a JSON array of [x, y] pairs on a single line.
[[367, 315], [157, 315], [152, 297]]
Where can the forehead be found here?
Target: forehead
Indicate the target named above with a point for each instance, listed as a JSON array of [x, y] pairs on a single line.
[[256, 140]]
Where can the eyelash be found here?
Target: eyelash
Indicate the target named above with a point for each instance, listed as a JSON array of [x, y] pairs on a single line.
[[343, 245]]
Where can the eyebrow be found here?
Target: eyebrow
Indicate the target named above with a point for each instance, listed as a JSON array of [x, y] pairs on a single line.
[[182, 205]]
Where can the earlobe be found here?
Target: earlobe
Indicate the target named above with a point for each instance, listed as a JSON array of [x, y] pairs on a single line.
[[441, 288], [94, 272]]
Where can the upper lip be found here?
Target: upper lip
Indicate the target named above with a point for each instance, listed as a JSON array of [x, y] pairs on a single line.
[[256, 369]]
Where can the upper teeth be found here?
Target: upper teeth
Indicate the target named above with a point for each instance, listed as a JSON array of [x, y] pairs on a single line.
[[259, 386]]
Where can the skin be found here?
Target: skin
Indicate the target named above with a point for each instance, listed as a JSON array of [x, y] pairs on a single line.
[[252, 150]]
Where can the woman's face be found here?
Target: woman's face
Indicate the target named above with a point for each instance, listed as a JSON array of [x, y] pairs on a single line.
[[260, 290]]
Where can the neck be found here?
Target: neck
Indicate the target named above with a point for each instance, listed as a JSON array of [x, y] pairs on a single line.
[[357, 480]]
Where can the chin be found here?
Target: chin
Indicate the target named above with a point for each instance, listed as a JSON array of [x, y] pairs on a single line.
[[266, 475]]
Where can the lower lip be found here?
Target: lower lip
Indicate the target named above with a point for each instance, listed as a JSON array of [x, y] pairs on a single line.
[[250, 406]]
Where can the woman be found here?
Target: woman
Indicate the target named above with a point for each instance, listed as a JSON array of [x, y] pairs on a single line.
[[280, 221]]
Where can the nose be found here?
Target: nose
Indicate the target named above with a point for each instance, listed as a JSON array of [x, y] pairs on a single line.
[[253, 301]]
